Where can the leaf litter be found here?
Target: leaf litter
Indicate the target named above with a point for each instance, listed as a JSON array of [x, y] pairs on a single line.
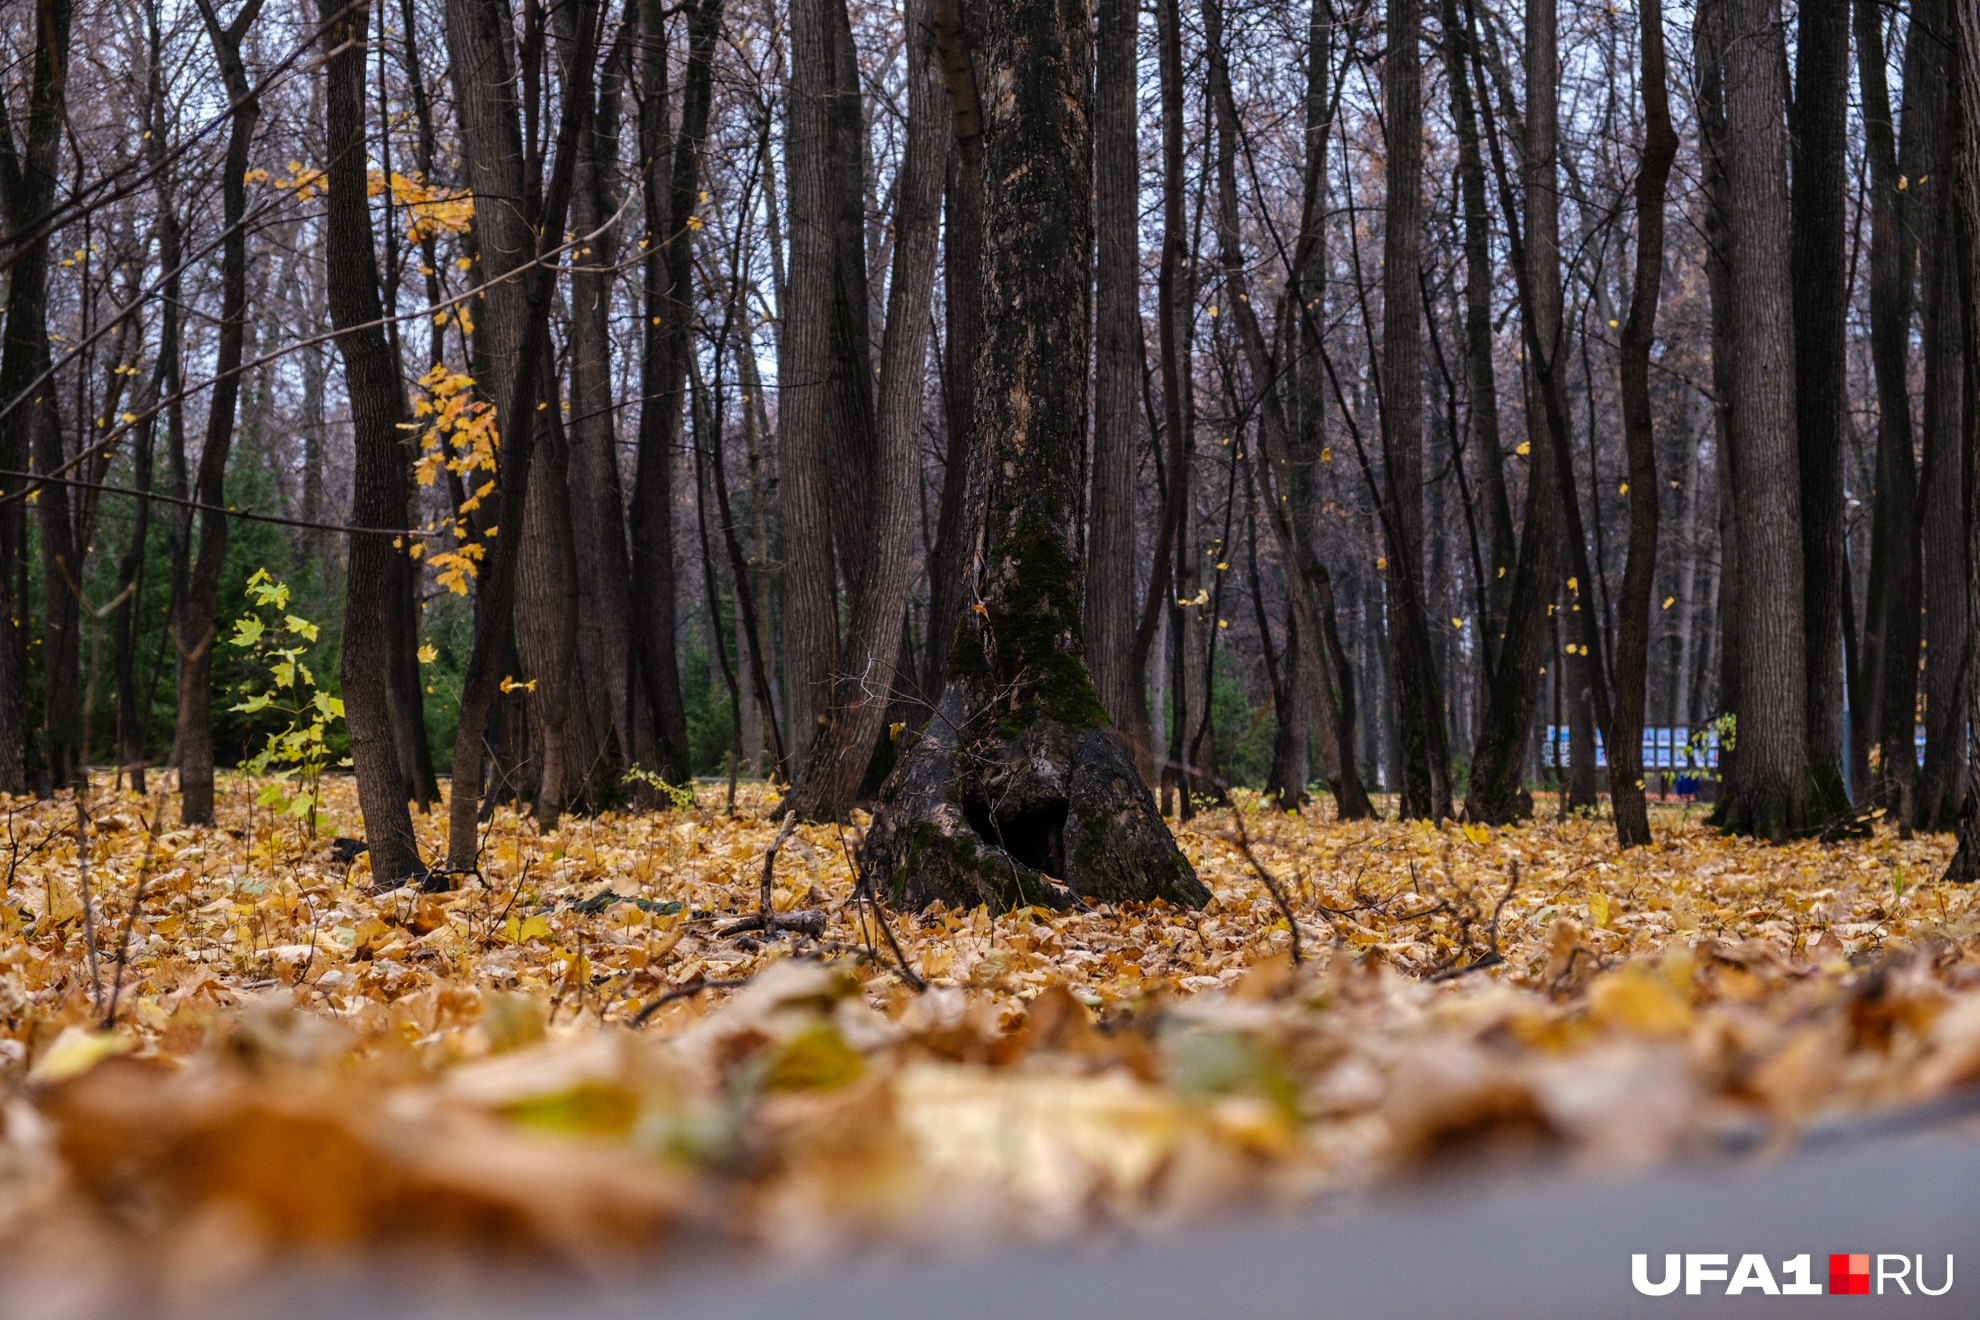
[[592, 1049]]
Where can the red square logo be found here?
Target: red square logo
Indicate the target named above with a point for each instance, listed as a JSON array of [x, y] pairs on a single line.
[[1849, 1274]]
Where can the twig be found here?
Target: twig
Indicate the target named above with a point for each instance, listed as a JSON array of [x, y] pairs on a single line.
[[768, 919], [1271, 883], [887, 928], [770, 862], [130, 918], [89, 908], [1492, 957], [488, 936], [689, 990]]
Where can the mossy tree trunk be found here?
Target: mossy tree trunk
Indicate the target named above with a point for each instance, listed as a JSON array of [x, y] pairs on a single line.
[[1017, 791]]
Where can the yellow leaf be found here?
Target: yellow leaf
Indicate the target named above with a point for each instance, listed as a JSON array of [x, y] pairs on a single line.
[[1382, 561], [1524, 449], [75, 1052], [1635, 1000], [427, 654], [1669, 601]]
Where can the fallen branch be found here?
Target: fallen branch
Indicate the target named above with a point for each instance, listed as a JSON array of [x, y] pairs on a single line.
[[687, 991], [130, 918], [767, 919], [1271, 882]]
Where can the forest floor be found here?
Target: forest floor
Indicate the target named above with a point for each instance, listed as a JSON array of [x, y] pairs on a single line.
[[220, 1050]]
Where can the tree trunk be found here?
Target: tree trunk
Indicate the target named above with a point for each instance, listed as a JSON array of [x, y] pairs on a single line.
[[1766, 793], [958, 525], [1821, 307], [1426, 789], [1942, 487], [671, 193], [1639, 577], [877, 597], [371, 378], [607, 656], [29, 188], [1018, 790], [514, 329], [1965, 865], [1481, 376], [196, 635], [1496, 795], [1111, 559], [824, 391], [1892, 604]]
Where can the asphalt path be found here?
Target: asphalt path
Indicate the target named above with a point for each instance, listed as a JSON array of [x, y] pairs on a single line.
[[1532, 1247]]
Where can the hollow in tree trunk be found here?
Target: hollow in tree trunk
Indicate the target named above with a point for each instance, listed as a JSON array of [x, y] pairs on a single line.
[[1017, 790]]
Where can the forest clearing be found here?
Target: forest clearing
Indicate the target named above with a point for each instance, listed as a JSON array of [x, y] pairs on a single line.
[[264, 1059], [701, 632]]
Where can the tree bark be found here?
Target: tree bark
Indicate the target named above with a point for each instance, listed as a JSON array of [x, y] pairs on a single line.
[[878, 583], [196, 635], [1821, 307], [1965, 24], [1639, 436], [1426, 789], [958, 523], [1892, 600], [1111, 559], [371, 379], [1496, 795], [671, 193], [1942, 486], [1766, 793], [27, 181], [1018, 791], [1481, 376], [514, 330]]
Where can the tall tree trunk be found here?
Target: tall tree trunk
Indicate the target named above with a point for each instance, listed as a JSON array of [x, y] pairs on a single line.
[[1044, 797], [1111, 559], [196, 635], [877, 596], [1426, 791], [1965, 865], [671, 193], [514, 329], [1481, 376], [1942, 486], [1821, 308], [1164, 588], [1639, 331], [1496, 795], [1766, 793], [27, 181], [824, 335], [1892, 604], [958, 523], [371, 378]]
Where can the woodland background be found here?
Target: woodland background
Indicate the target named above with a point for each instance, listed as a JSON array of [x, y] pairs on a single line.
[[764, 320]]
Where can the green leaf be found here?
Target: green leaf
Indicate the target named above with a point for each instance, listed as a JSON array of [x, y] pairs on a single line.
[[247, 631], [253, 704]]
